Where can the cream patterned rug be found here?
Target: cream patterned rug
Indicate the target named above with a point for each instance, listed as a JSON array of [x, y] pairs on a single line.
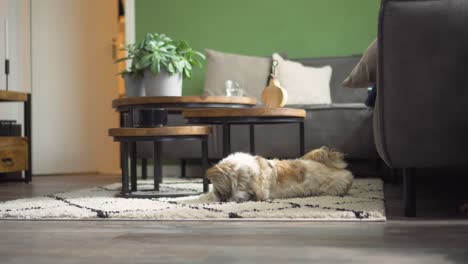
[[365, 202]]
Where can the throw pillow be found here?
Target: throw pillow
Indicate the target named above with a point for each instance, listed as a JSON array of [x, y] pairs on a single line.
[[364, 75], [250, 71], [305, 85]]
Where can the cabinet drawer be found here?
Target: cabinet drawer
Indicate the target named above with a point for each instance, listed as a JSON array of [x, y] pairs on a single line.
[[13, 154]]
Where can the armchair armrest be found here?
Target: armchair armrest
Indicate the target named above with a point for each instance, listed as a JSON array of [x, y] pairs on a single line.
[[422, 92]]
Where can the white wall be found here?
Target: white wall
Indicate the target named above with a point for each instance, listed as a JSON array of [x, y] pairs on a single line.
[[74, 82]]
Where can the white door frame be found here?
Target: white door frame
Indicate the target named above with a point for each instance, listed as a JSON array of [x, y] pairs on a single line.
[[129, 24]]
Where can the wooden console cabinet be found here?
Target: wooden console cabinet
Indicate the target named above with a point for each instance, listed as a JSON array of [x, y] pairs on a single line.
[[15, 152]]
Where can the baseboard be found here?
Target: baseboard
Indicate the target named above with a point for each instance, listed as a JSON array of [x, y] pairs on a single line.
[[11, 176]]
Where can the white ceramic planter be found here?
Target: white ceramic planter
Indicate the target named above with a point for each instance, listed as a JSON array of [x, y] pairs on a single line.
[[163, 84], [134, 86]]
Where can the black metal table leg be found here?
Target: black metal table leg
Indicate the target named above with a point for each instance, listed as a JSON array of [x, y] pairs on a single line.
[[157, 167], [183, 168], [204, 142], [377, 164], [301, 138], [144, 168], [121, 124], [133, 166], [133, 149], [409, 192], [27, 133], [252, 138], [226, 139], [124, 159], [130, 118], [394, 176]]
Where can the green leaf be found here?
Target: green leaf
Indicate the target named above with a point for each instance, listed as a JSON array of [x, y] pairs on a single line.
[[201, 55], [187, 74], [188, 65], [154, 67], [170, 68], [146, 60], [183, 47], [179, 65]]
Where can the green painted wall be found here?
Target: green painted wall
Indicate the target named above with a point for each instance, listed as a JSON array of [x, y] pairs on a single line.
[[301, 28]]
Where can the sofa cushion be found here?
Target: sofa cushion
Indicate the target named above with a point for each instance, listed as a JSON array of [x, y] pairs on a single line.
[[305, 85], [365, 73], [341, 66], [250, 71]]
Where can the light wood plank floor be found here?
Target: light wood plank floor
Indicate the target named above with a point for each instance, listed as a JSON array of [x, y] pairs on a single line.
[[438, 235]]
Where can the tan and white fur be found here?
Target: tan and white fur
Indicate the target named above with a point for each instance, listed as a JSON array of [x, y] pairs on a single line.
[[242, 177]]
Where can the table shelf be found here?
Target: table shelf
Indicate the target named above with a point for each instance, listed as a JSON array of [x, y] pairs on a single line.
[[16, 150], [12, 96]]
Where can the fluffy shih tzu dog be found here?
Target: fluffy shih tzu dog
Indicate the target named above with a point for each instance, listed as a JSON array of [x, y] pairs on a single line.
[[242, 177]]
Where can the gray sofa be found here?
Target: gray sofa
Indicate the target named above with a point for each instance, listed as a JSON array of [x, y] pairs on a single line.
[[422, 91], [346, 125]]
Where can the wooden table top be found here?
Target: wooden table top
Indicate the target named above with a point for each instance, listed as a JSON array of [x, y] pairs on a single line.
[[12, 96], [244, 112], [160, 131], [129, 101]]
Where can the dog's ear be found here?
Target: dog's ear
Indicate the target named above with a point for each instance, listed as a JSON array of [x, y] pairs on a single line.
[[218, 170], [212, 172]]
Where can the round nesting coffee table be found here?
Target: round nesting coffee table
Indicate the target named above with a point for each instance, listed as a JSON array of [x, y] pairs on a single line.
[[127, 136], [247, 116], [175, 105]]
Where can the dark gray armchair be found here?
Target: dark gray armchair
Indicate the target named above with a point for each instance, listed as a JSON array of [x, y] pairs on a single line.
[[421, 114]]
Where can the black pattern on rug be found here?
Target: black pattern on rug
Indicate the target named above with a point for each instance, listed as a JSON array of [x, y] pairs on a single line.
[[365, 202]]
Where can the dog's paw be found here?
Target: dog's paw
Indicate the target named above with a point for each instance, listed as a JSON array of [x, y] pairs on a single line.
[[240, 197], [208, 197]]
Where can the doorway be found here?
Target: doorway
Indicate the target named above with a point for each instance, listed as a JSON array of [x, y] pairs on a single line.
[[73, 84]]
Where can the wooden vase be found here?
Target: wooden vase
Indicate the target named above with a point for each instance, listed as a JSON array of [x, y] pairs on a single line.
[[274, 96]]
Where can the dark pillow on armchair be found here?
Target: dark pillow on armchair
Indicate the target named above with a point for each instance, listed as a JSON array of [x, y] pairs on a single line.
[[364, 75]]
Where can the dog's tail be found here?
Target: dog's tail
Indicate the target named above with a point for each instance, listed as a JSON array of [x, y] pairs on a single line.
[[328, 157]]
